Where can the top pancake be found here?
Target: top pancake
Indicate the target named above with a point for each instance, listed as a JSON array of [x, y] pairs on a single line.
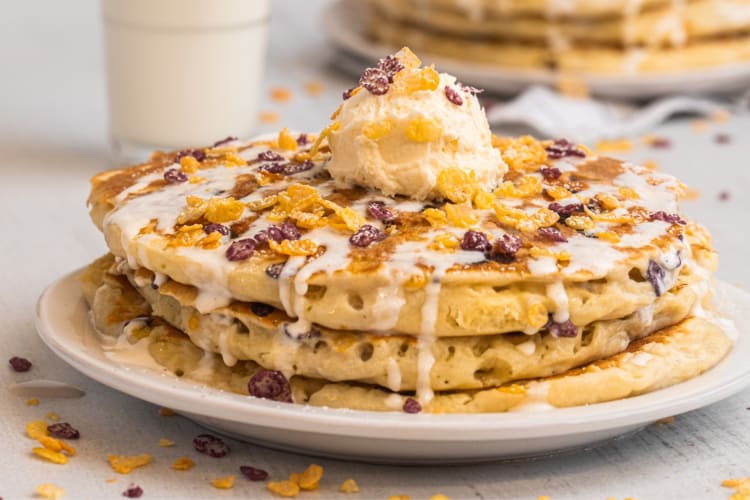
[[624, 240]]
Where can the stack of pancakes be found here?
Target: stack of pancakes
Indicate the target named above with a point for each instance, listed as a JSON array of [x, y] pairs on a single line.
[[591, 36], [575, 281]]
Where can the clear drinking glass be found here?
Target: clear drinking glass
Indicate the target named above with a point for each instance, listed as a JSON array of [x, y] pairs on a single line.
[[182, 72]]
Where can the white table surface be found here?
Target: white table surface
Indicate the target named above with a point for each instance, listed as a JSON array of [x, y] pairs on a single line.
[[53, 136]]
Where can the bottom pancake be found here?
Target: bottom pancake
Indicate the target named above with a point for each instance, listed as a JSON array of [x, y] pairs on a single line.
[[666, 357]]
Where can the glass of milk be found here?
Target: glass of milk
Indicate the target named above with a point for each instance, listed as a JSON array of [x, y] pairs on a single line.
[[182, 72]]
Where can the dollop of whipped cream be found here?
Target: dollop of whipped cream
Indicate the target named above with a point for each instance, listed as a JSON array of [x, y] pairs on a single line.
[[404, 124]]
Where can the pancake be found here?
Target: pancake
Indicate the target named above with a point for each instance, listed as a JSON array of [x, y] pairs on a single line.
[[417, 278], [665, 357], [255, 332]]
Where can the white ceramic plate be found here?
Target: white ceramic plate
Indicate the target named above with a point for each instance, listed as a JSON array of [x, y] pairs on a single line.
[[344, 24], [63, 323]]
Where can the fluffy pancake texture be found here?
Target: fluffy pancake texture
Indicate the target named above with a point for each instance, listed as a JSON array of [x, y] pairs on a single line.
[[590, 36]]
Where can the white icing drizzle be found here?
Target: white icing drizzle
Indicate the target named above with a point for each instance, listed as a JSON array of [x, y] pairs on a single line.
[[394, 402], [535, 399], [393, 375], [556, 292], [641, 358], [528, 347]]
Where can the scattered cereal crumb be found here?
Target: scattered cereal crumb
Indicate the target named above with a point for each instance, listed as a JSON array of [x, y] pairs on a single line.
[[223, 483], [651, 165], [36, 428], [310, 478], [657, 142], [133, 491], [399, 497], [722, 138], [544, 497], [166, 443], [665, 421], [54, 444], [720, 116], [724, 195], [166, 412], [699, 125], [53, 456], [283, 488], [53, 416], [349, 486], [183, 463], [314, 88], [439, 496], [111, 480], [124, 464], [50, 491], [268, 117], [32, 402], [741, 488], [614, 146], [280, 94]]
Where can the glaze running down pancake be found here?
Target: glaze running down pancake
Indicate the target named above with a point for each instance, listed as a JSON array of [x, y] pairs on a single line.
[[311, 256]]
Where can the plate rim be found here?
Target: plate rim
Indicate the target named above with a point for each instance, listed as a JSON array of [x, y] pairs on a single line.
[[181, 394], [340, 19]]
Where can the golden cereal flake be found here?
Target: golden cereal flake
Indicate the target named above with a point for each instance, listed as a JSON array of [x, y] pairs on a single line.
[[196, 179], [408, 59], [183, 463], [189, 164], [557, 192], [32, 402], [377, 130], [223, 483], [580, 223], [628, 193], [210, 241], [283, 488], [50, 491], [537, 315], [280, 94], [124, 464], [483, 200], [445, 242], [607, 201], [435, 217], [523, 154], [36, 428], [461, 215], [187, 236], [263, 203], [528, 185], [349, 486], [609, 236], [614, 146], [543, 497], [221, 210], [296, 247], [456, 185], [166, 443], [286, 140], [50, 455], [422, 129], [310, 478], [399, 497], [54, 444], [439, 496], [407, 82], [53, 416]]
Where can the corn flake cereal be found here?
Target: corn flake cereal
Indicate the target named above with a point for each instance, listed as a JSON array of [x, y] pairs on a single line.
[[53, 456], [310, 478], [223, 483], [166, 443], [283, 488], [349, 486], [125, 464], [183, 463], [36, 428], [50, 491]]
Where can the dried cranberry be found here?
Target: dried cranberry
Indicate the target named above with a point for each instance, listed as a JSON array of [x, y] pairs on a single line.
[[63, 430], [552, 234], [660, 143], [268, 234], [240, 249], [276, 167], [270, 384], [274, 270], [562, 148], [174, 176], [302, 140], [565, 329], [210, 445], [724, 195], [504, 248], [565, 211], [378, 210], [655, 274], [411, 405], [722, 138], [289, 231], [216, 228], [594, 205], [20, 364], [471, 90], [269, 156], [198, 154], [665, 217], [348, 93], [390, 65], [453, 96], [253, 474], [261, 309], [295, 168], [550, 173], [133, 491], [475, 240], [375, 81], [365, 235]]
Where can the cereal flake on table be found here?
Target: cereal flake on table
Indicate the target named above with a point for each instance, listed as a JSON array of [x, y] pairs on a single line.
[[223, 483], [165, 443], [32, 402], [349, 486], [124, 464], [50, 491], [280, 94], [183, 463]]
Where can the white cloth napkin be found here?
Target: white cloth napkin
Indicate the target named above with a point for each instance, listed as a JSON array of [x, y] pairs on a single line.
[[586, 120]]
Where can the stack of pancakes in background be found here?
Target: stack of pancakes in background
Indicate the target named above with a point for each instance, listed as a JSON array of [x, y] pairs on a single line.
[[591, 36]]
